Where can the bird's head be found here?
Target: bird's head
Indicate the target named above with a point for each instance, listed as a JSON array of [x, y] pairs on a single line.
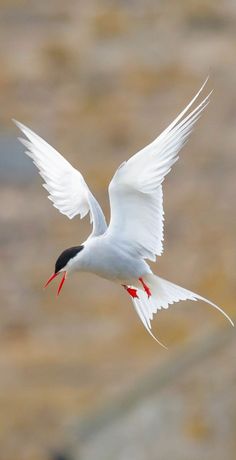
[[65, 263]]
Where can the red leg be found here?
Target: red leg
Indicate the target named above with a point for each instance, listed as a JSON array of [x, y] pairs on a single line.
[[131, 291], [146, 288]]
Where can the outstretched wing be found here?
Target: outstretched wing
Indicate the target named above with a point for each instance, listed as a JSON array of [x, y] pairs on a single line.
[[66, 186], [136, 193]]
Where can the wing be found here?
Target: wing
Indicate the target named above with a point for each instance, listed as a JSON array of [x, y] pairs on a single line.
[[66, 186], [136, 193]]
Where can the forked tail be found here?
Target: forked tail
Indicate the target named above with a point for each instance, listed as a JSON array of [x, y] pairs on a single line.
[[163, 294]]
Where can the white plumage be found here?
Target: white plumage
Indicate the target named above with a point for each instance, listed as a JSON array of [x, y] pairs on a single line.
[[135, 233], [66, 186]]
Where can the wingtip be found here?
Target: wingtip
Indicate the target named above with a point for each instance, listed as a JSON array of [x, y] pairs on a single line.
[[18, 124], [15, 121], [205, 82], [203, 86]]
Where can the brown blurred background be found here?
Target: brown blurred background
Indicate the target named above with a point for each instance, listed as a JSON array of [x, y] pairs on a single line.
[[99, 80]]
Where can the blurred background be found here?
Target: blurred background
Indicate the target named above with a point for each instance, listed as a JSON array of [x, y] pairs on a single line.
[[79, 376]]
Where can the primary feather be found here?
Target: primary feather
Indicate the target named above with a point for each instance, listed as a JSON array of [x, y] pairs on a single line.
[[135, 191], [66, 186]]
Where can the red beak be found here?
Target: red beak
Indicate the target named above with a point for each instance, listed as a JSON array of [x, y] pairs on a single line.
[[50, 279], [61, 282]]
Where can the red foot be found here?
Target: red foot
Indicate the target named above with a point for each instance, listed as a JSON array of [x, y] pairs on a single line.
[[146, 288], [131, 291]]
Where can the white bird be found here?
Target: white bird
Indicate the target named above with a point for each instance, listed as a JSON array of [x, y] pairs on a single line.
[[118, 252]]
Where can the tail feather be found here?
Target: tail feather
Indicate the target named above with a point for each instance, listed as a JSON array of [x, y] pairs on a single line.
[[164, 293], [144, 307]]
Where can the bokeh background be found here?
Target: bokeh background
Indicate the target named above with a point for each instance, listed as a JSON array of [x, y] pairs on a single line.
[[79, 376]]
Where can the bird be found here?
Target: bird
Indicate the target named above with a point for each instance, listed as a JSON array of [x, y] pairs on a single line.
[[120, 251]]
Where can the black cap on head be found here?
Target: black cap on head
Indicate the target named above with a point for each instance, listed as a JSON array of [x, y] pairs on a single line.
[[65, 256]]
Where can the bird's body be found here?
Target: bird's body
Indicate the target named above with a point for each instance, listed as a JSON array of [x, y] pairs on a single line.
[[104, 258], [118, 252]]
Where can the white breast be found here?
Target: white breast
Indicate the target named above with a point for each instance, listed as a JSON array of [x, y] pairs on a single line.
[[109, 261]]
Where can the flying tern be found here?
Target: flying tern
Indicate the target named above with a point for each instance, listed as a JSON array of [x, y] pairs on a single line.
[[119, 251]]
